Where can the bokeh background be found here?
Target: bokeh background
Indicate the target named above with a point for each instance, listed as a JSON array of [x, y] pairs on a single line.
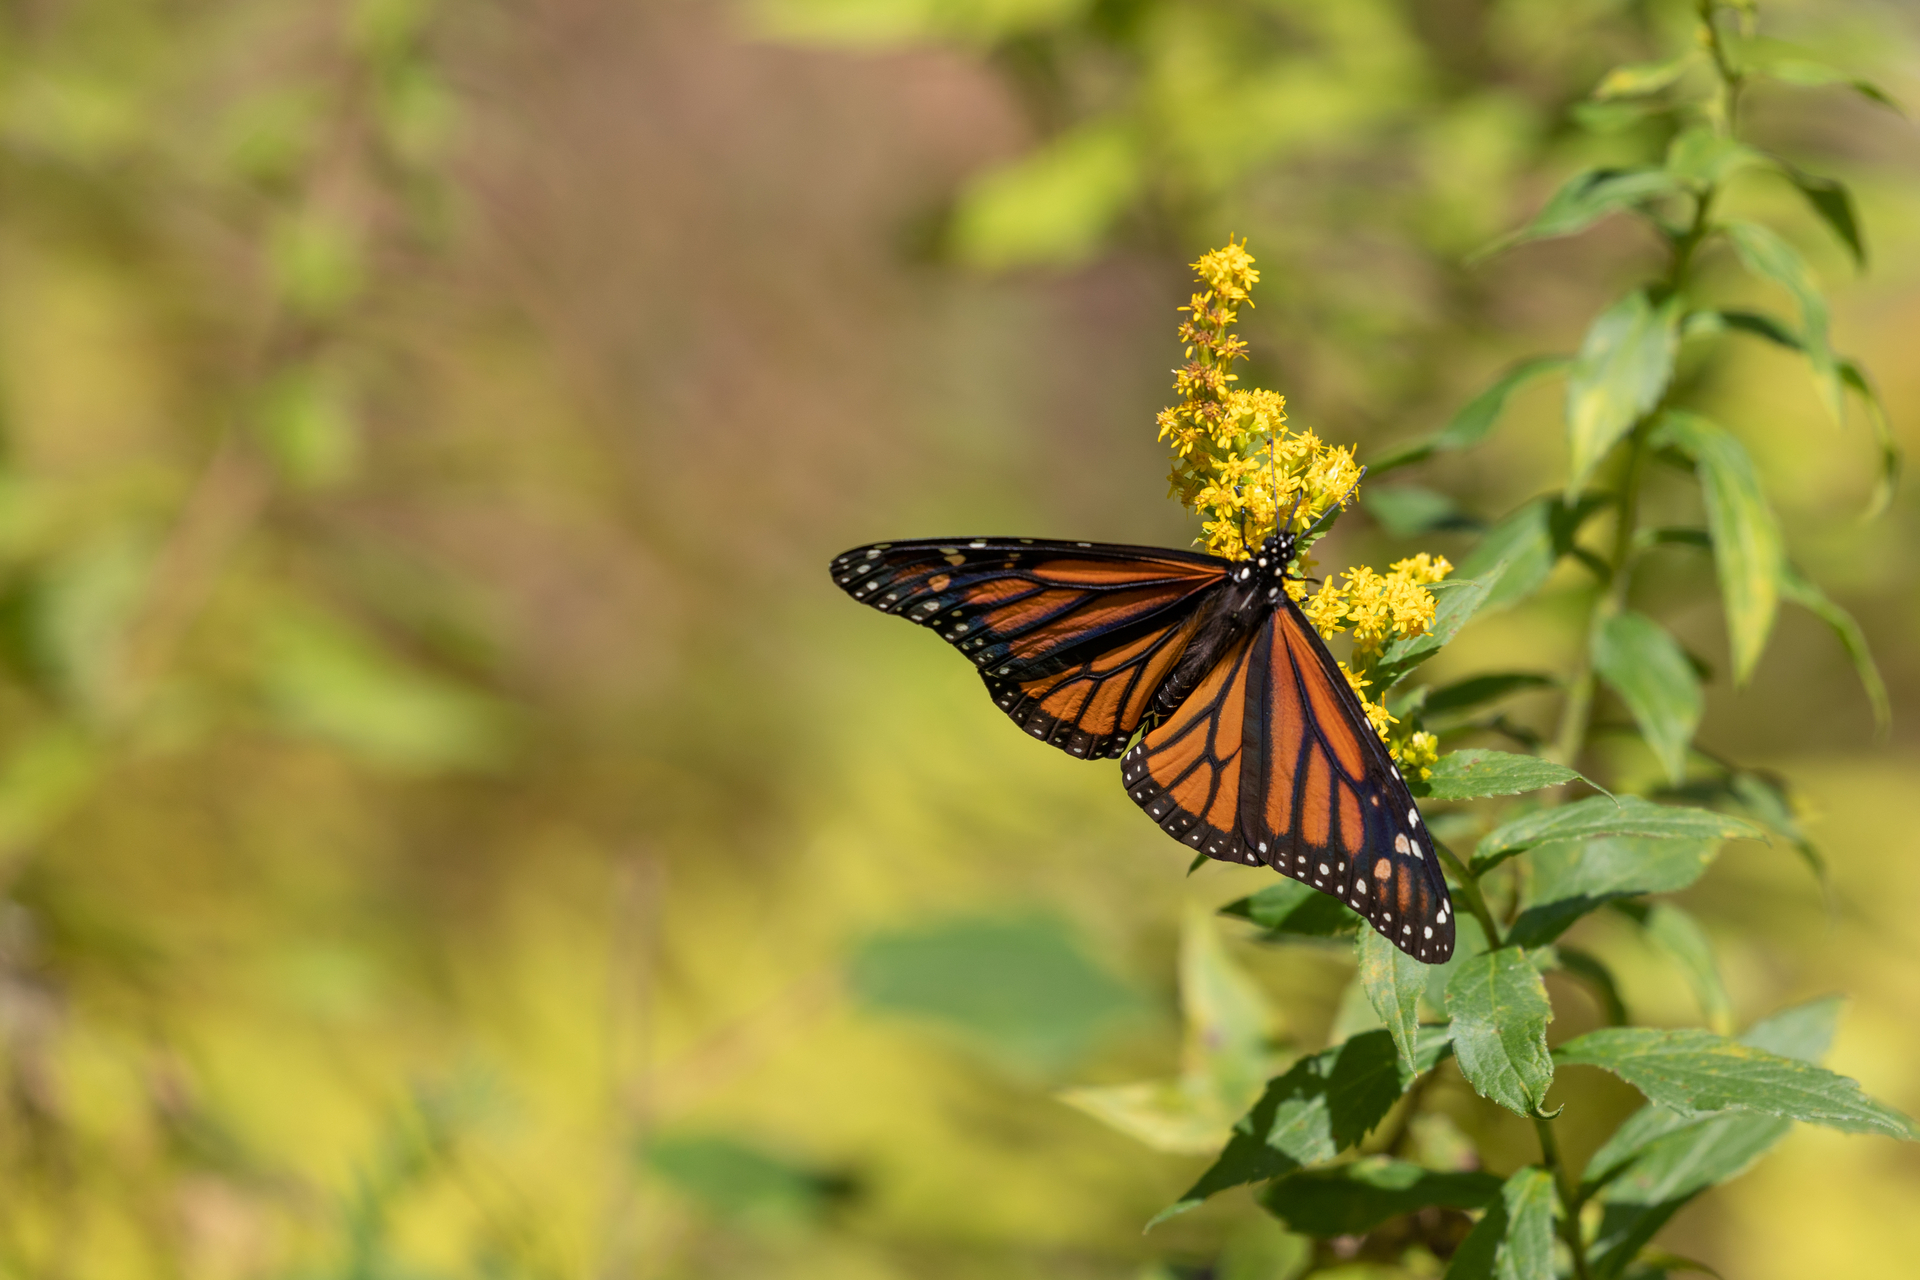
[[450, 825]]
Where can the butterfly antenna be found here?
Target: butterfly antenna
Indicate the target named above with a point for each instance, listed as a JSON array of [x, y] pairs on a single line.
[[1341, 505]]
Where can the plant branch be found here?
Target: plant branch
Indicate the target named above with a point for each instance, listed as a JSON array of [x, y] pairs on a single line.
[[1569, 1192]]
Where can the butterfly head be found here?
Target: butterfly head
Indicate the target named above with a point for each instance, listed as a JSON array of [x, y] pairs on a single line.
[[1276, 553]]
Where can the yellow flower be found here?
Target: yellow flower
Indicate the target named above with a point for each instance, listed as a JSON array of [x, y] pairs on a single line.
[[1416, 755], [1238, 466]]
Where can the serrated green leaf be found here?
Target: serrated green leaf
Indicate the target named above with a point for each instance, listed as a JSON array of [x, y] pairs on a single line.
[[1768, 256], [1051, 207], [1574, 877], [1637, 79], [1353, 1199], [1393, 981], [1471, 774], [1804, 593], [1293, 908], [1514, 1240], [1658, 1159], [1606, 816], [1475, 419], [1477, 691], [1621, 372], [1692, 1071], [1455, 601], [1500, 1014], [1748, 550], [1324, 1104], [1674, 931], [1583, 200], [1649, 670]]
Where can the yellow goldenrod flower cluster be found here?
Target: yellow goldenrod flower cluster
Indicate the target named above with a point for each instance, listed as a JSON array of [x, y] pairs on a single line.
[[1234, 461], [1238, 466]]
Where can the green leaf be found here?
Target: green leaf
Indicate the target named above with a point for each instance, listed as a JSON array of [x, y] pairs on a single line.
[[1607, 816], [1678, 934], [1455, 601], [1477, 691], [1474, 421], [1514, 1241], [1702, 157], [1405, 510], [1768, 256], [1291, 907], [1788, 68], [1574, 877], [1650, 672], [1583, 200], [740, 1181], [1022, 988], [1620, 374], [1748, 550], [1393, 981], [1692, 1072], [1658, 1159], [1470, 774], [1353, 1199], [1832, 202], [1224, 1059], [1054, 205], [1637, 79], [1804, 593], [1529, 542], [1500, 1014], [1324, 1104], [1856, 379]]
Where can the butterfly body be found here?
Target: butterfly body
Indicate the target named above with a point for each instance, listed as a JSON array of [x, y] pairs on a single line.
[[1252, 746]]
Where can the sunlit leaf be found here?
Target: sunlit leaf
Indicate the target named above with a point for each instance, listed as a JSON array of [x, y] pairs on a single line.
[[1019, 988], [1324, 1104], [1621, 372], [1674, 931], [1529, 541], [1475, 419], [1500, 1014], [1514, 1241], [1693, 1071], [1703, 157], [1352, 1199], [1571, 878], [1649, 670], [1455, 601], [1292, 907], [1768, 256], [1051, 207], [1637, 79], [1888, 480], [1608, 816], [1790, 68], [1587, 197], [1801, 591], [1748, 551], [1832, 202], [1476, 772], [1393, 981]]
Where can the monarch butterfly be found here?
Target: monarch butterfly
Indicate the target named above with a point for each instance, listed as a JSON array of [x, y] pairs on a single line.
[[1255, 748]]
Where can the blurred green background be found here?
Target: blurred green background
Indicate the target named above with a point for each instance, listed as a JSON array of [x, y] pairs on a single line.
[[450, 824]]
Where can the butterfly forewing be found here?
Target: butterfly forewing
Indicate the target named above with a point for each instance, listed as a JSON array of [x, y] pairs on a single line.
[[1072, 639]]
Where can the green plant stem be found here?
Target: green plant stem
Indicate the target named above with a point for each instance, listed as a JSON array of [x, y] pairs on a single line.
[[1569, 1192], [1469, 885]]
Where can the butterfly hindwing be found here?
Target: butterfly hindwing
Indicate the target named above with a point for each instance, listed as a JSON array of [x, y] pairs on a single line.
[[1187, 771], [1072, 639], [1324, 802]]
